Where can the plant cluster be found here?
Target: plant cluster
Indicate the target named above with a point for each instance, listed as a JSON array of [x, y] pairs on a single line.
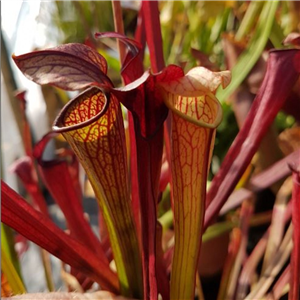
[[146, 148]]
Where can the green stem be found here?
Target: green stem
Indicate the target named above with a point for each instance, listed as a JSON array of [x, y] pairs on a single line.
[[249, 19]]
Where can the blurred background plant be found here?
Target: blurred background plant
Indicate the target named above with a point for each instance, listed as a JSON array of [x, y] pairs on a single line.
[[218, 35]]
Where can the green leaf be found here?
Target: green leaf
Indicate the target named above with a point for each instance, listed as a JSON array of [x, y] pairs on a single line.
[[251, 55], [11, 273], [8, 245]]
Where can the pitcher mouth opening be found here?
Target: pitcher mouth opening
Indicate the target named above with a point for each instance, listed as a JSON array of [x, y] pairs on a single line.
[[183, 111], [59, 124]]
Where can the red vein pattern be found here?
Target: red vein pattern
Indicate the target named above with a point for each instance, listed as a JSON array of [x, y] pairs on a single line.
[[70, 66], [132, 69], [189, 162], [195, 115], [96, 133]]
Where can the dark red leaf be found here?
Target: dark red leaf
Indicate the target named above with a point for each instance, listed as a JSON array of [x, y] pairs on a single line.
[[275, 172], [161, 270], [134, 178], [19, 215], [149, 152], [73, 167], [153, 34], [149, 113], [20, 95], [140, 34], [145, 102], [57, 178], [282, 73], [292, 104], [262, 181], [24, 169], [132, 66]]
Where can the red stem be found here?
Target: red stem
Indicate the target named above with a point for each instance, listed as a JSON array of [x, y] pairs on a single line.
[[153, 35], [148, 174], [148, 153], [134, 184], [135, 199], [140, 34]]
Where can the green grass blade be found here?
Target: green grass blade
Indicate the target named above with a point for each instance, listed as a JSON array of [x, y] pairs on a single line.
[[250, 56], [11, 274], [8, 245], [249, 19]]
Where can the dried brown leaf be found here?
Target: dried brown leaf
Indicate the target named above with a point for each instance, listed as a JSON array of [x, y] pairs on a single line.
[[289, 140], [102, 295]]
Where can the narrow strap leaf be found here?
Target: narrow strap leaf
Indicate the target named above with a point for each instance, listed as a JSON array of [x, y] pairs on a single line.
[[25, 170], [271, 97], [19, 215], [234, 246], [153, 34], [20, 95], [58, 180], [161, 270]]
